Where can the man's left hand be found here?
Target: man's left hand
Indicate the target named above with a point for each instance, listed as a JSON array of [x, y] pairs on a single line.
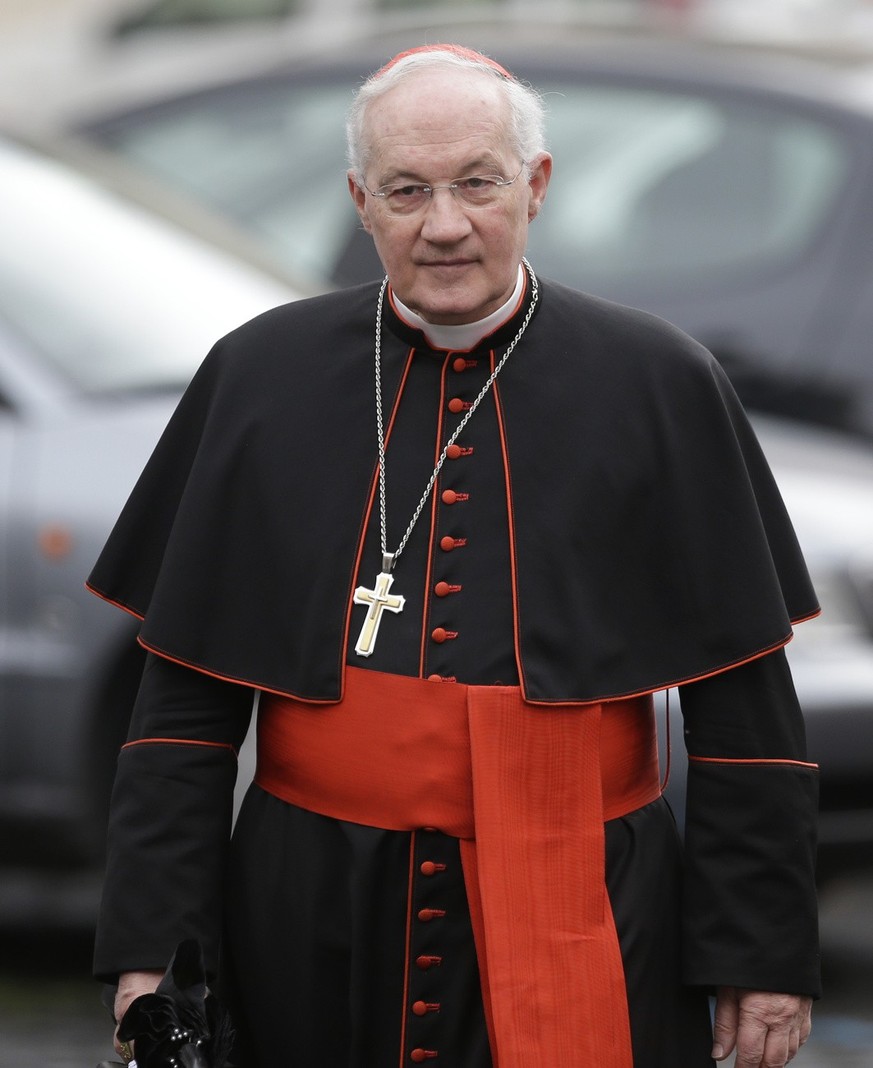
[[765, 1029]]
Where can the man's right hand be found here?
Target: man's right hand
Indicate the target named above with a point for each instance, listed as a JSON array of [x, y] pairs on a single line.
[[130, 986]]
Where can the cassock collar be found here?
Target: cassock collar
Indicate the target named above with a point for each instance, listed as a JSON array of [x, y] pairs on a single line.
[[464, 337]]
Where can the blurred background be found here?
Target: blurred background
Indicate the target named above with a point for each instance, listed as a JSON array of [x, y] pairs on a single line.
[[169, 168]]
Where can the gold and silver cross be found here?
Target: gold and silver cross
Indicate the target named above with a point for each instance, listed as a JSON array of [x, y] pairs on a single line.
[[379, 600]]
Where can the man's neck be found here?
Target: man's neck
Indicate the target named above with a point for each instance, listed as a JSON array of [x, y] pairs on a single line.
[[463, 336]]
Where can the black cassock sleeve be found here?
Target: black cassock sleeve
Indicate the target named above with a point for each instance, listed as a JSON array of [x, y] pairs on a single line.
[[749, 908], [170, 819]]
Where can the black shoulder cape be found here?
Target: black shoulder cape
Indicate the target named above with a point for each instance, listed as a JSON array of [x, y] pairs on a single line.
[[653, 546]]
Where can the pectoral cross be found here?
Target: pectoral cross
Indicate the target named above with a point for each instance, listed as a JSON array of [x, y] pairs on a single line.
[[379, 600]]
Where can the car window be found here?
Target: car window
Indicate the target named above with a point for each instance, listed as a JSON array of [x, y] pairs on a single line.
[[658, 189], [270, 155], [198, 12], [107, 295]]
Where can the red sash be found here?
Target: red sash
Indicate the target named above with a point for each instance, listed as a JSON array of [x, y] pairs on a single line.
[[526, 788]]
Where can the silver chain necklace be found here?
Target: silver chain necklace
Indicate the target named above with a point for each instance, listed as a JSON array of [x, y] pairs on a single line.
[[379, 598]]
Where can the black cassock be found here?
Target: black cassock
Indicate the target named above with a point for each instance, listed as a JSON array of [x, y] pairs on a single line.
[[606, 526]]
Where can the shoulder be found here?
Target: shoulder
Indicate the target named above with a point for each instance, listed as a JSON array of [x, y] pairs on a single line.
[[631, 333], [285, 352], [327, 328], [601, 348], [307, 320]]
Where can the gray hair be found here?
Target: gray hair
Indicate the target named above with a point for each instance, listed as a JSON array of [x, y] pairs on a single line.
[[527, 113]]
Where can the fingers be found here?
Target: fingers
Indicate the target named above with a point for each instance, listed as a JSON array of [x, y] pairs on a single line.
[[123, 1049], [760, 1047], [769, 1028], [724, 1031]]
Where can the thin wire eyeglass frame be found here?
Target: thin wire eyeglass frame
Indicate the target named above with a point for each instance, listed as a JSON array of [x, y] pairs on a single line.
[[498, 183]]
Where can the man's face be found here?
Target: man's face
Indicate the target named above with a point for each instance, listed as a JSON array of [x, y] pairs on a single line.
[[449, 262]]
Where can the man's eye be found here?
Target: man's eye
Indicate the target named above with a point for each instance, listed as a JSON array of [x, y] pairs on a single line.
[[476, 184], [408, 192]]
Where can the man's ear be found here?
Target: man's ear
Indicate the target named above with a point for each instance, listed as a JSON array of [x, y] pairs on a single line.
[[540, 174], [359, 198]]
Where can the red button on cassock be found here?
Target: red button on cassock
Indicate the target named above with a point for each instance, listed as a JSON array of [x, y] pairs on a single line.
[[422, 1008], [459, 364], [419, 1056], [456, 405], [447, 544], [454, 451], [442, 589], [449, 497], [439, 635], [426, 962], [426, 915]]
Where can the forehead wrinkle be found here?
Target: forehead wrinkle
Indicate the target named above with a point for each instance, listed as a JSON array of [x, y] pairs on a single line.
[[483, 163], [430, 159], [411, 135]]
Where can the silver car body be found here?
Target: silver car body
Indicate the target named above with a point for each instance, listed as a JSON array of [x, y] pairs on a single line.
[[105, 312]]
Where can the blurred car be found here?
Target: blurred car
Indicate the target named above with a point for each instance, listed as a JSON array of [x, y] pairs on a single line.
[[105, 311], [827, 483], [826, 479], [727, 189]]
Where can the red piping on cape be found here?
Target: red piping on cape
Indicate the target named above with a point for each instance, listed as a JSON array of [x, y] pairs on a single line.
[[117, 604], [180, 741], [434, 497], [365, 523], [764, 761], [510, 519], [715, 671], [603, 699]]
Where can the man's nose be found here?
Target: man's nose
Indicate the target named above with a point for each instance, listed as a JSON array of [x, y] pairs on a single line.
[[445, 218]]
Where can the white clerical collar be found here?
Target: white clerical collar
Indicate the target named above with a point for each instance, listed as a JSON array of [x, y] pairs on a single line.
[[464, 336]]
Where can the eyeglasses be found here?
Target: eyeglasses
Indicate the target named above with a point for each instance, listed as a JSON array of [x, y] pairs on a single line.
[[477, 191]]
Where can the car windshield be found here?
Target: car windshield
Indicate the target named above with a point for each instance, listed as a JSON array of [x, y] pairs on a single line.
[[108, 295], [652, 188]]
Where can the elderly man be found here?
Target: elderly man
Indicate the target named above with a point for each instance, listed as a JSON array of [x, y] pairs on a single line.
[[455, 529]]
